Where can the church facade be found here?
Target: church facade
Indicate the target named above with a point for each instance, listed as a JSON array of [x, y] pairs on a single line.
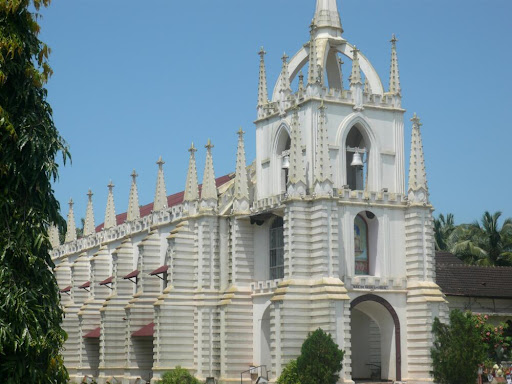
[[320, 231]]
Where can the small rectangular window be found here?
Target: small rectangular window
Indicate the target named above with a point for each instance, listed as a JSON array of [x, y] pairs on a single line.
[[277, 249]]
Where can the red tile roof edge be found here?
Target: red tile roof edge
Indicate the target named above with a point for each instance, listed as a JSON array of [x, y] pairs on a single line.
[[159, 270], [94, 334], [145, 331]]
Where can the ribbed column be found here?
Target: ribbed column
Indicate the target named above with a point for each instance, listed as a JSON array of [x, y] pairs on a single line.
[[296, 243], [113, 316]]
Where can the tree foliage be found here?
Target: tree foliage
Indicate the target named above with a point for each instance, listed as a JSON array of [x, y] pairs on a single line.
[[479, 243], [31, 337], [458, 349], [178, 376], [290, 374], [320, 360]]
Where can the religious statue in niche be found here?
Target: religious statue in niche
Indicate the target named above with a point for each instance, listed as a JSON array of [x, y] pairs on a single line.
[[361, 246]]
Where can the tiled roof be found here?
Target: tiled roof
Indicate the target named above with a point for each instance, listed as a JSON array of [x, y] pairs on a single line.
[[458, 279], [172, 200]]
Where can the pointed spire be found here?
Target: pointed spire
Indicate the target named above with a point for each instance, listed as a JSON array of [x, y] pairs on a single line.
[[89, 227], [313, 70], [322, 161], [417, 172], [327, 15], [241, 185], [110, 212], [296, 171], [160, 201], [71, 230], [394, 74], [209, 190], [133, 201], [262, 84], [285, 75], [53, 235], [355, 77], [356, 83], [191, 188]]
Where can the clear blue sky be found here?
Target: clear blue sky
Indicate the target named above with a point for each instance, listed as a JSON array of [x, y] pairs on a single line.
[[138, 79]]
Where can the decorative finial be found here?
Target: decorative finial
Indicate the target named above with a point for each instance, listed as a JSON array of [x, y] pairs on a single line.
[[418, 189], [89, 227], [110, 211], [322, 169], [394, 73], [209, 191], [416, 121], [241, 193], [284, 58], [71, 230], [133, 201], [160, 201], [191, 187], [262, 85]]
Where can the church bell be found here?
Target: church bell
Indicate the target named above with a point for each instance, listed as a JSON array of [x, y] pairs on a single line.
[[356, 160], [286, 162]]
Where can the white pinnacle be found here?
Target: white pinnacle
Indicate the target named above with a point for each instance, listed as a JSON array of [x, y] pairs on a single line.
[[110, 212], [394, 74], [322, 161], [241, 186], [133, 202], [417, 172], [262, 83], [160, 201], [191, 187], [209, 191], [71, 230], [53, 235], [89, 227], [296, 170]]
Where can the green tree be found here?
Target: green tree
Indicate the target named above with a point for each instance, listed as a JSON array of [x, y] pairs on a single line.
[[443, 228], [31, 336], [178, 376], [484, 243], [290, 374], [320, 360], [458, 349]]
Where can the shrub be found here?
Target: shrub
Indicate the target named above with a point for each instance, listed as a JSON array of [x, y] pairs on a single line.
[[320, 360], [290, 374], [458, 349], [178, 376]]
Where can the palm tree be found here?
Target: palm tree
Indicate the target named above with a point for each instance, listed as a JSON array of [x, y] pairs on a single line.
[[484, 243], [443, 228]]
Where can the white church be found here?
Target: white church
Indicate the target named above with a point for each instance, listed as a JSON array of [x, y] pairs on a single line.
[[227, 278]]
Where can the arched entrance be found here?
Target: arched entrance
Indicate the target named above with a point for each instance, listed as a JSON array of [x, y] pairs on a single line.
[[375, 339]]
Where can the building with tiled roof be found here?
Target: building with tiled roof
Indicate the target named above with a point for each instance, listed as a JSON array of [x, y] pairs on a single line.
[[227, 280]]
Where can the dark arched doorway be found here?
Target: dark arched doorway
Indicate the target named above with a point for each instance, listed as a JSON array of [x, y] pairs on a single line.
[[370, 298]]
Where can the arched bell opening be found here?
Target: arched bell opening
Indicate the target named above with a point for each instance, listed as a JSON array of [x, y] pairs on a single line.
[[366, 236], [375, 340], [357, 155], [282, 152]]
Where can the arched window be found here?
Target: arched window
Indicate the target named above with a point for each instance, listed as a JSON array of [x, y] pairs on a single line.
[[361, 249], [277, 249], [357, 156], [283, 156]]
